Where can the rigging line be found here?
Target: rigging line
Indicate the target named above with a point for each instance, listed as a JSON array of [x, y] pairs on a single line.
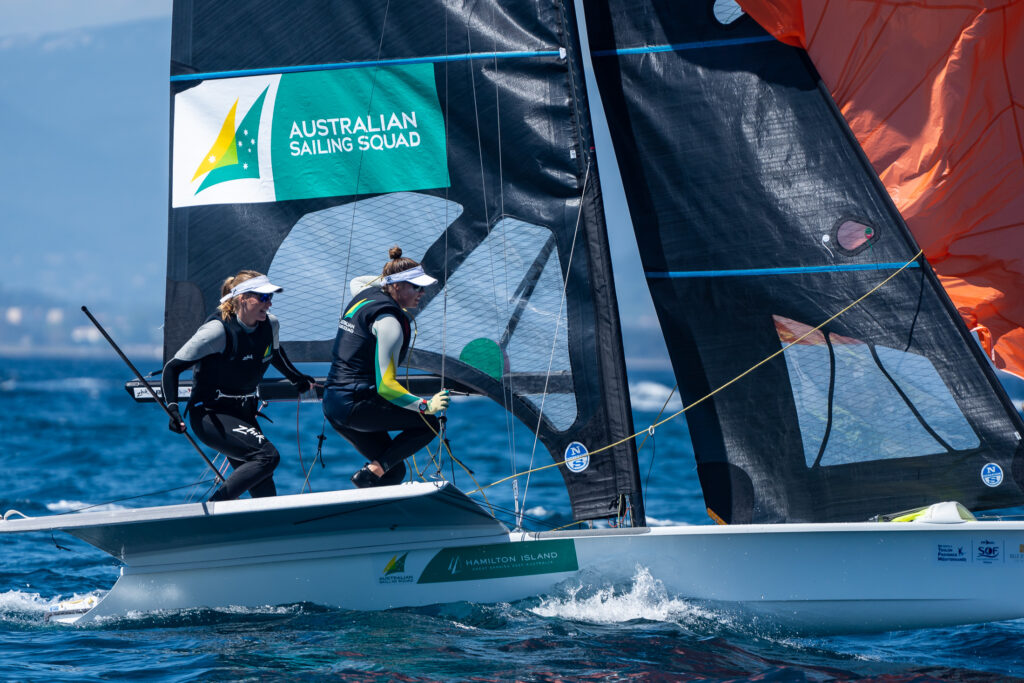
[[507, 398], [359, 167], [658, 417], [221, 462], [735, 379], [650, 435], [447, 223], [510, 431], [298, 447], [141, 495], [654, 453], [558, 323], [441, 442]]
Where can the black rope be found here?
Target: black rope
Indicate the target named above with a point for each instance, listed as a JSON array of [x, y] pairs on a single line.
[[320, 445], [654, 453]]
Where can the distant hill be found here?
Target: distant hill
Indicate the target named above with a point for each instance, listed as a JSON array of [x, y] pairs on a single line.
[[84, 186]]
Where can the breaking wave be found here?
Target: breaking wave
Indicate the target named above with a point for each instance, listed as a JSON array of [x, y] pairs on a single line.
[[76, 505], [650, 397]]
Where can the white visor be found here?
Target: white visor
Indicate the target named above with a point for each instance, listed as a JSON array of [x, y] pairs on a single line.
[[260, 284], [414, 275]]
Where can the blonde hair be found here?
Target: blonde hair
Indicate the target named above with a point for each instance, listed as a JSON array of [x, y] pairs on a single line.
[[228, 308]]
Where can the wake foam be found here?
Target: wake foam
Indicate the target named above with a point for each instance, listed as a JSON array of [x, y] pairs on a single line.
[[645, 598], [21, 607]]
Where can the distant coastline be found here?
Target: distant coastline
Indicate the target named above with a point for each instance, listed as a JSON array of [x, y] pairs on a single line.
[[146, 352]]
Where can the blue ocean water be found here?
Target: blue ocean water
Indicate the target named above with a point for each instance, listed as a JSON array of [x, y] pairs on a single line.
[[70, 436]]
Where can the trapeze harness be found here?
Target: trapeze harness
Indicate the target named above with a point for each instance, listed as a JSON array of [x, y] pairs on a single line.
[[359, 406], [224, 404]]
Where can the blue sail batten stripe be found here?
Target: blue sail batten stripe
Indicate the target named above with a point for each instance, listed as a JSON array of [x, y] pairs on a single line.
[[470, 56], [655, 275], [679, 47]]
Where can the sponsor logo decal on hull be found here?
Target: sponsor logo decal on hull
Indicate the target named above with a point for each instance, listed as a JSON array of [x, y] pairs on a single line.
[[394, 571], [500, 560]]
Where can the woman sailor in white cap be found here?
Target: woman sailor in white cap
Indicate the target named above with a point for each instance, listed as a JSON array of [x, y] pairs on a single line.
[[364, 400], [233, 349]]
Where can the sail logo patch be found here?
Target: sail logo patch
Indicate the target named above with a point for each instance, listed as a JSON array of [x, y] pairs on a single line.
[[577, 457], [330, 133], [233, 154], [992, 474]]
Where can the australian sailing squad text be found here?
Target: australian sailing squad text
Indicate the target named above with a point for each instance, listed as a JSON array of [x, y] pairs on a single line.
[[343, 134]]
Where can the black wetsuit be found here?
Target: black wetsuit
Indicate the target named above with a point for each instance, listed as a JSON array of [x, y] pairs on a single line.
[[222, 410], [354, 404]]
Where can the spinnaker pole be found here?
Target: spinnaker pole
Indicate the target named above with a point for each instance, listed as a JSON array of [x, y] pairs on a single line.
[[152, 393]]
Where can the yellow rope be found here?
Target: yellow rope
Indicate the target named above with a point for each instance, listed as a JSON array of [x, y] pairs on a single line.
[[720, 388]]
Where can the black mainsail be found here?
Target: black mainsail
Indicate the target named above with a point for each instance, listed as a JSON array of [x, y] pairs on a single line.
[[758, 218], [307, 139]]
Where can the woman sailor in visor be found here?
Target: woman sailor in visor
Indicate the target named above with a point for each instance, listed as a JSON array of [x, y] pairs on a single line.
[[233, 349], [363, 400]]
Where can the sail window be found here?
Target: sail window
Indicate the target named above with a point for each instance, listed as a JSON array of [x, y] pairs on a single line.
[[854, 236], [509, 291], [856, 402], [727, 11], [326, 249]]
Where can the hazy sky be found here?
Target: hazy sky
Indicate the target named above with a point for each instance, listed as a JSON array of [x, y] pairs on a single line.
[[46, 16], [129, 105]]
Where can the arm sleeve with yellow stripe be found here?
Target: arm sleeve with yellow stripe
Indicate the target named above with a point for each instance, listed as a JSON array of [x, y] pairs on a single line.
[[389, 344]]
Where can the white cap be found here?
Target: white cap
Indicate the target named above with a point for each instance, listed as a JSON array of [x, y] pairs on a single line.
[[260, 284], [414, 275]]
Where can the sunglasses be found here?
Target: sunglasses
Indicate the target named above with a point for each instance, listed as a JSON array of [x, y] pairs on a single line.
[[416, 288], [263, 298]]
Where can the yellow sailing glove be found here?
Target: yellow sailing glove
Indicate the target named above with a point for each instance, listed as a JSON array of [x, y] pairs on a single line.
[[438, 402]]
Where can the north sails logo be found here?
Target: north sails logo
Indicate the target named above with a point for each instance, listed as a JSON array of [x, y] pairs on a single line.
[[233, 154]]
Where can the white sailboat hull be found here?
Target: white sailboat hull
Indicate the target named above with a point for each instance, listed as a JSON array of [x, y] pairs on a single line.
[[434, 545]]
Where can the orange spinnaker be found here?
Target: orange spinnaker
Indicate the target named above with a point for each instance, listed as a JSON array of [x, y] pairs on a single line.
[[933, 90]]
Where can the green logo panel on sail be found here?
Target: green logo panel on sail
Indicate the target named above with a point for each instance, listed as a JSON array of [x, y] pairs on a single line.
[[500, 560], [358, 131]]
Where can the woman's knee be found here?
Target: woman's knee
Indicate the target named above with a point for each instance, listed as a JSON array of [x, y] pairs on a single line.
[[268, 456]]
